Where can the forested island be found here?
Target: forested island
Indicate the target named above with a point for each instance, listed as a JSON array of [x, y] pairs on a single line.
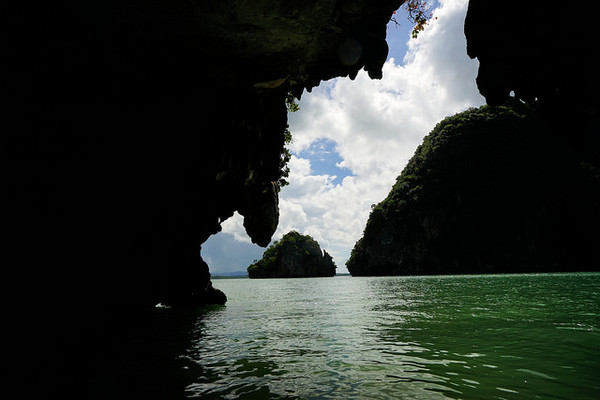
[[490, 190], [294, 256]]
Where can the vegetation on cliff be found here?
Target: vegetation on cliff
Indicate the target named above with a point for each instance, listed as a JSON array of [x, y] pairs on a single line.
[[493, 189], [285, 156], [419, 13], [294, 256]]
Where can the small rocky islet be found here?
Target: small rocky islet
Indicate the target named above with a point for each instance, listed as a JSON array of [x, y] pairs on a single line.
[[294, 256]]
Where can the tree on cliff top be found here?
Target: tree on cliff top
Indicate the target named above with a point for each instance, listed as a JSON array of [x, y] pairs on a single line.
[[419, 13]]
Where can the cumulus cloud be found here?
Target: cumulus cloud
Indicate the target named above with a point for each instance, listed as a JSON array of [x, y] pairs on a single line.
[[376, 126]]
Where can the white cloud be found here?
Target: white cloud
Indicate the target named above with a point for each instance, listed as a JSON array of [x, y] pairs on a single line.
[[234, 226], [376, 126]]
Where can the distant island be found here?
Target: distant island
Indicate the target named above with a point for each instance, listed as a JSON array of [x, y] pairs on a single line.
[[229, 275], [294, 256], [490, 190]]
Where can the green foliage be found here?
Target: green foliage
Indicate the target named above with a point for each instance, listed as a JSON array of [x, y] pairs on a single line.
[[419, 13], [492, 189], [286, 155], [456, 160], [290, 102], [292, 244]]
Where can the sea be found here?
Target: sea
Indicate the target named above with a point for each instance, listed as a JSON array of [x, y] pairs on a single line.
[[514, 336]]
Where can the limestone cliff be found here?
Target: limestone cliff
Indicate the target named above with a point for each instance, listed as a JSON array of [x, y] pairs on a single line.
[[498, 189], [502, 189], [138, 127], [490, 190], [520, 50], [294, 256], [134, 128]]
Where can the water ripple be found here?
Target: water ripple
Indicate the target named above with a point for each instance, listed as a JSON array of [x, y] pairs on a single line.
[[394, 338]]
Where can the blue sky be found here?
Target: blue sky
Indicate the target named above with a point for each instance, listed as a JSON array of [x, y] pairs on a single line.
[[351, 139], [325, 160]]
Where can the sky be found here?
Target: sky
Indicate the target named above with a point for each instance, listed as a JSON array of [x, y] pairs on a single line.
[[351, 139]]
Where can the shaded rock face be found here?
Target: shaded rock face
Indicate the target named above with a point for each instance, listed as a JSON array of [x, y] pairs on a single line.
[[134, 128], [490, 190], [294, 256], [502, 189], [138, 127], [520, 49]]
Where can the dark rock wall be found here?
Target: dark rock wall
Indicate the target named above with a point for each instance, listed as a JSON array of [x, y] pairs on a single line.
[[137, 127], [133, 129], [537, 209], [534, 49]]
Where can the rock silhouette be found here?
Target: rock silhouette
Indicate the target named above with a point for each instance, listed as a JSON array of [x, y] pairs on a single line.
[[133, 130], [490, 190]]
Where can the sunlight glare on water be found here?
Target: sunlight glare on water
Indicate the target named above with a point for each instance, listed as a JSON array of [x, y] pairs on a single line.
[[499, 336]]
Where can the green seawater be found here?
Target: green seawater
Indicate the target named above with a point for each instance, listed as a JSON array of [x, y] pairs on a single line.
[[456, 337]]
